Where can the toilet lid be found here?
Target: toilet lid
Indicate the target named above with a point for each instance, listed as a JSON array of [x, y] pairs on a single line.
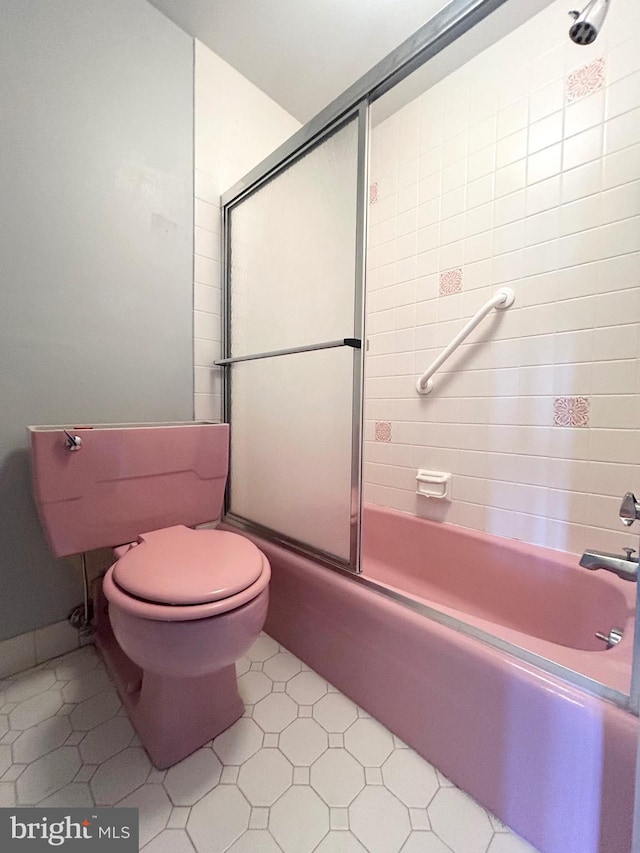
[[178, 565]]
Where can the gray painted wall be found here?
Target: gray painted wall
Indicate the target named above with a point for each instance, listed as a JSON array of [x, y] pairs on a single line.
[[96, 248]]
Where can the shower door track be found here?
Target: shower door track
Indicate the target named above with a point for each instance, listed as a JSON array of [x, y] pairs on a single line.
[[564, 673]]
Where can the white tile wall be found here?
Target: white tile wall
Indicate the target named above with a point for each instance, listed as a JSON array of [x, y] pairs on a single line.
[[236, 126], [520, 168]]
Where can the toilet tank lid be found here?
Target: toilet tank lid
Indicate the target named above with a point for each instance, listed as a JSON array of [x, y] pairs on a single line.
[[181, 566]]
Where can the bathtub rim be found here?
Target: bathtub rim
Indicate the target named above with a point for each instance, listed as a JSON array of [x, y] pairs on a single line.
[[565, 673], [589, 685]]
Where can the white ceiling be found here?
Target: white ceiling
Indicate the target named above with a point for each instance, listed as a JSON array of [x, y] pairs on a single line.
[[302, 53]]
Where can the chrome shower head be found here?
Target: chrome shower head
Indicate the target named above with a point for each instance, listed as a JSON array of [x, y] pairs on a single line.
[[588, 23]]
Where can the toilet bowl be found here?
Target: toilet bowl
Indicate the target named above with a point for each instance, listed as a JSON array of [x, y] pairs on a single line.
[[179, 605], [186, 602]]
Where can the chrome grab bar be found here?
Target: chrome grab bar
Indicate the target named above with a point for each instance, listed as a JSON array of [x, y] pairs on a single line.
[[504, 298]]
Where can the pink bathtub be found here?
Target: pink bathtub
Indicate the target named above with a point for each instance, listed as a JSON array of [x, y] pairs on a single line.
[[537, 599], [554, 762]]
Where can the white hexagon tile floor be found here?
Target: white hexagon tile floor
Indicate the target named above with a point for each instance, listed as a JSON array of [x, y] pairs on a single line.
[[304, 770]]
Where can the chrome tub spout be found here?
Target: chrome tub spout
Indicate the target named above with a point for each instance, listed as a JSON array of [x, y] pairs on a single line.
[[625, 566]]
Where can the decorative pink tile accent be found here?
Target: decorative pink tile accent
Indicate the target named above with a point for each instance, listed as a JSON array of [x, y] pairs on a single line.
[[373, 193], [586, 80], [383, 431], [451, 281], [571, 411]]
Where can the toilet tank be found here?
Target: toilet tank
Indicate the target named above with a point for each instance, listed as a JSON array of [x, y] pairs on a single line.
[[125, 479]]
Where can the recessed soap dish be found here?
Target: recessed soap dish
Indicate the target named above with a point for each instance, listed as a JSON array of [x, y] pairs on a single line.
[[433, 484]]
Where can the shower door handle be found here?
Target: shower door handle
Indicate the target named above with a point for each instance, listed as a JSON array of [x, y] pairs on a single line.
[[355, 343]]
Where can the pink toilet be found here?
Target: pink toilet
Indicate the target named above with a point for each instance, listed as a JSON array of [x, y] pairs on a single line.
[[183, 604]]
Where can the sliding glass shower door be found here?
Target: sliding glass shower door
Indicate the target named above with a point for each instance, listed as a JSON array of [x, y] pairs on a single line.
[[293, 347]]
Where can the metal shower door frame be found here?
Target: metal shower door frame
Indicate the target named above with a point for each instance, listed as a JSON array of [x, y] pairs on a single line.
[[445, 27], [450, 23], [360, 114]]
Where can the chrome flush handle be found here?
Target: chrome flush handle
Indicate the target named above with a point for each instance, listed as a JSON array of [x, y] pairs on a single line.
[[73, 442], [629, 509]]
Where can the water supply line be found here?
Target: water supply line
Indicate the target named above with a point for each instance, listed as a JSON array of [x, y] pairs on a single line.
[[504, 298], [81, 616]]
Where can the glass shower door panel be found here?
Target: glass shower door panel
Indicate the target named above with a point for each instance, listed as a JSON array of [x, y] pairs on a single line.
[[291, 446], [292, 252]]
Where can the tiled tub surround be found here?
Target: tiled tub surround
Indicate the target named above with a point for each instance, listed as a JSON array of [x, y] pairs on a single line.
[[554, 763], [520, 168], [304, 770]]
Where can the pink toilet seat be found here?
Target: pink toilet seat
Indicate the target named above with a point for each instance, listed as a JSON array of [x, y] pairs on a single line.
[[180, 574], [178, 565]]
